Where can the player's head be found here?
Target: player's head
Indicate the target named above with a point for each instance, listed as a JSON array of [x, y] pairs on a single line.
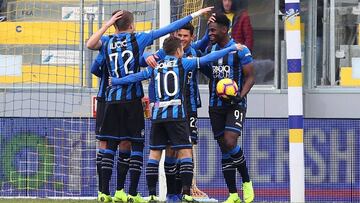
[[126, 22], [186, 35], [218, 30], [172, 46]]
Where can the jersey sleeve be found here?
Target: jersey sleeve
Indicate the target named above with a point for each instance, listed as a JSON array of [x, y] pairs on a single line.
[[96, 65], [245, 56], [202, 43], [160, 54], [104, 39], [132, 78], [191, 63], [216, 55], [172, 27]]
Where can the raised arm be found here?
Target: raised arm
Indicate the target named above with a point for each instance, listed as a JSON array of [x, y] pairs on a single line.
[[94, 42], [132, 78], [202, 43], [177, 24]]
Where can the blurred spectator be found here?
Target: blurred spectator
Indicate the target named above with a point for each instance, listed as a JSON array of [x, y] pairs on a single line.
[[236, 11]]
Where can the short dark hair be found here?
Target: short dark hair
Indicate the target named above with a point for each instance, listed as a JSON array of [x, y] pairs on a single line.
[[171, 44], [125, 21], [188, 26], [221, 19]]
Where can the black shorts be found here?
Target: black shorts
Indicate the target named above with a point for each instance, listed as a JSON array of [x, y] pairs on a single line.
[[173, 133], [123, 121], [192, 122], [100, 112], [227, 119]]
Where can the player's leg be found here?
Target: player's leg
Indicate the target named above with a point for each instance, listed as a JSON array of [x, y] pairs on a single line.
[[171, 172], [99, 156], [158, 141], [218, 119], [192, 122], [135, 128], [109, 131], [152, 173], [179, 136], [233, 129], [122, 170], [100, 111], [107, 164]]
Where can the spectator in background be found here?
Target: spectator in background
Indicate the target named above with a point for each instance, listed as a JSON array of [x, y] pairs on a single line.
[[241, 29]]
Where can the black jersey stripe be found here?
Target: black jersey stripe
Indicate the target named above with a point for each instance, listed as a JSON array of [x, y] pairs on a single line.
[[135, 51], [236, 77], [124, 58]]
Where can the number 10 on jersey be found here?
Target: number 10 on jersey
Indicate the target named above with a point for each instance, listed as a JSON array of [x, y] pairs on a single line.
[[163, 82]]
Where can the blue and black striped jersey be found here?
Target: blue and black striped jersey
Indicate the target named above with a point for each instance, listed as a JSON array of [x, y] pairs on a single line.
[[123, 54], [229, 66], [169, 84], [192, 94], [99, 69]]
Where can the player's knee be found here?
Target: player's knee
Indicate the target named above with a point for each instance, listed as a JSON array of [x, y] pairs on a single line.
[[137, 146], [155, 154], [112, 145], [184, 153], [125, 145], [102, 144], [230, 144], [170, 152]]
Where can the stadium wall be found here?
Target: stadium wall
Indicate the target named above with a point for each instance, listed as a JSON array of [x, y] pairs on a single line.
[[262, 103], [55, 157]]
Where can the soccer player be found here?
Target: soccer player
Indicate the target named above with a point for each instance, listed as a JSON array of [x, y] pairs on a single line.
[[100, 70], [124, 119], [169, 114], [227, 117], [192, 98]]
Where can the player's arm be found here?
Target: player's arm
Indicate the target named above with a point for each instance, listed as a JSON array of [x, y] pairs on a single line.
[[175, 25], [215, 55], [248, 71], [202, 43], [191, 64], [94, 41], [249, 79], [132, 78], [152, 59], [96, 65]]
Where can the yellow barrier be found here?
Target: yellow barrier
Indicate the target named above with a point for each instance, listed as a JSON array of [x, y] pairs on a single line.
[[346, 78], [50, 32], [68, 75]]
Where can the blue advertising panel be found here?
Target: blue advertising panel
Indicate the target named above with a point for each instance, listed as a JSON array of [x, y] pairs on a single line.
[[55, 157]]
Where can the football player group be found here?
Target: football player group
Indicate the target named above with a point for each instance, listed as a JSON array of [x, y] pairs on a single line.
[[174, 94]]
